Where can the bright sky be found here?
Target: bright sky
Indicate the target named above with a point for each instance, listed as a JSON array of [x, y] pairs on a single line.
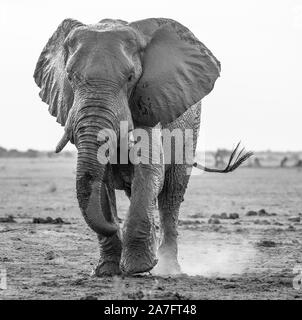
[[256, 100]]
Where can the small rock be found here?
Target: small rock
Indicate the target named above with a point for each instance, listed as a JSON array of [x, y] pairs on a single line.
[[16, 238], [138, 295], [234, 216], [195, 216], [251, 213], [5, 259], [188, 222], [291, 228], [216, 228], [38, 220], [223, 215], [262, 222], [49, 255], [178, 296], [9, 219], [229, 286], [262, 213], [78, 282], [277, 223], [89, 298], [214, 221], [60, 221], [295, 219], [266, 243], [49, 220], [161, 288]]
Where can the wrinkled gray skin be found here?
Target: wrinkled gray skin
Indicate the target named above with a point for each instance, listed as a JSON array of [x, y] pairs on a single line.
[[89, 75]]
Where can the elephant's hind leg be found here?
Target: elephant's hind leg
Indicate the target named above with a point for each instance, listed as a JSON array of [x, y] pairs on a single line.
[[110, 247], [169, 201]]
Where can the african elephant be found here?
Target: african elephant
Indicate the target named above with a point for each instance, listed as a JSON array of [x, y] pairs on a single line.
[[146, 72]]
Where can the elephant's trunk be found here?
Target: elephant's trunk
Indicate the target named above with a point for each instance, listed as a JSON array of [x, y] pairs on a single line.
[[92, 175]]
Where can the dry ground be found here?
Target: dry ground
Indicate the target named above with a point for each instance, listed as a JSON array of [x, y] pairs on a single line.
[[246, 258]]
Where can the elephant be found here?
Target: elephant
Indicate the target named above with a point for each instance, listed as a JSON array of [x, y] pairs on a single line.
[[144, 73]]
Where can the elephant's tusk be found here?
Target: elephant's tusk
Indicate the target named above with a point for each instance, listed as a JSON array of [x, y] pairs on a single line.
[[62, 143]]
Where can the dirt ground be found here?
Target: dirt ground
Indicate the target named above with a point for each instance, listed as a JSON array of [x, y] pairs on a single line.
[[248, 257]]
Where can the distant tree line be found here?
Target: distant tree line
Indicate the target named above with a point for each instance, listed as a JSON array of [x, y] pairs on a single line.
[[262, 159], [31, 153], [219, 157]]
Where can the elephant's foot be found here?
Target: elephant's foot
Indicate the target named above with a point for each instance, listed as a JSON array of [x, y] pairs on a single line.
[[134, 265], [107, 268], [110, 256], [137, 261]]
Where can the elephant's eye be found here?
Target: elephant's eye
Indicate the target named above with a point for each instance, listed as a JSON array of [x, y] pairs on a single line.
[[130, 78]]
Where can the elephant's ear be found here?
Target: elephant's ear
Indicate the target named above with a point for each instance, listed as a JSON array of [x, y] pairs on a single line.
[[50, 75], [178, 71]]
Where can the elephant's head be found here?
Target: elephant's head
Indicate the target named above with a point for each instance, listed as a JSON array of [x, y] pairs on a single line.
[[94, 76]]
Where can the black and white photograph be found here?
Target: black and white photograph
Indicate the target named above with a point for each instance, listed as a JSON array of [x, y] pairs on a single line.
[[151, 150]]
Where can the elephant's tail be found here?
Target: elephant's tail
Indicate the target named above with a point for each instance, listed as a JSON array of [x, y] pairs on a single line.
[[232, 164]]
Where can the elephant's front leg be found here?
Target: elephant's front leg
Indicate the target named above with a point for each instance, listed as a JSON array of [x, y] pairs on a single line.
[[110, 247], [139, 237]]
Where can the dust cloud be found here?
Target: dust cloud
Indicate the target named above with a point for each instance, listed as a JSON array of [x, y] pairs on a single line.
[[228, 258]]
